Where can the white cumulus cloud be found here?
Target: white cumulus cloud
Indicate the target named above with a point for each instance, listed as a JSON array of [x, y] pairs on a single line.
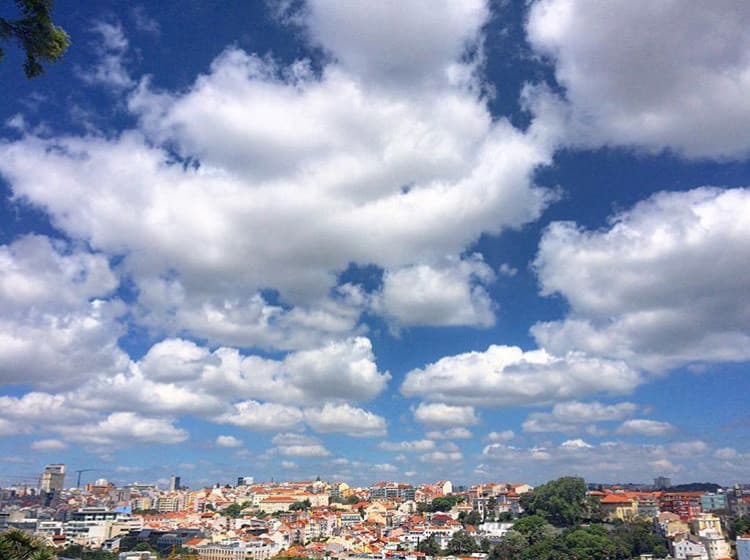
[[675, 78]]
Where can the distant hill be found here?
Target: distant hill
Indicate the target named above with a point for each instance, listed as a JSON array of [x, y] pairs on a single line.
[[695, 487]]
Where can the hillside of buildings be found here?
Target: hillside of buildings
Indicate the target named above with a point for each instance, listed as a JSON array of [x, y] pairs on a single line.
[[564, 519]]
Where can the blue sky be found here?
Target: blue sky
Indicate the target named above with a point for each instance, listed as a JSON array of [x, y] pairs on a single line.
[[476, 241]]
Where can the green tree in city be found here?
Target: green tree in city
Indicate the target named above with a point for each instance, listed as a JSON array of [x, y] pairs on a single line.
[[639, 538], [462, 543], [429, 546], [232, 510], [489, 511], [510, 548], [442, 503], [593, 543], [485, 545], [20, 545], [534, 528], [300, 506], [561, 502], [40, 39], [472, 518], [144, 547], [740, 526]]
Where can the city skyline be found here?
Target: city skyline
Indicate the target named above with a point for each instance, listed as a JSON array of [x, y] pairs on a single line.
[[471, 240]]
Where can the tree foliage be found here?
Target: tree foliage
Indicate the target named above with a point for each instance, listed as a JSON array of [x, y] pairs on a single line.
[[40, 39], [429, 546], [232, 510], [740, 526], [462, 543], [19, 545], [511, 547], [639, 538], [442, 503], [470, 518], [144, 547], [300, 506], [561, 502], [532, 538]]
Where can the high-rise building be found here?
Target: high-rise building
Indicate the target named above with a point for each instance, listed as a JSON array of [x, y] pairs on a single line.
[[53, 478], [174, 483], [245, 481], [662, 482]]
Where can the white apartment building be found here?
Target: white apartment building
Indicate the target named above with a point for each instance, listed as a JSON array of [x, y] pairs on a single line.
[[141, 555], [685, 548], [257, 549]]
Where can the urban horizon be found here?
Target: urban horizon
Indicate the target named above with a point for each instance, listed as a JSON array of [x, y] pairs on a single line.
[[488, 242]]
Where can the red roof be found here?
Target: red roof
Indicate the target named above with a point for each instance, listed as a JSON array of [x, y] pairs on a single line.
[[616, 499]]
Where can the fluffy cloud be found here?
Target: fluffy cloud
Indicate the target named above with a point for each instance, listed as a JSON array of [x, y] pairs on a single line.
[[450, 433], [440, 414], [176, 359], [573, 416], [120, 429], [442, 457], [253, 415], [297, 445], [506, 375], [37, 408], [228, 441], [346, 419], [8, 428], [111, 49], [575, 444], [613, 460], [419, 46], [674, 79], [48, 445], [447, 295], [285, 177], [505, 435], [57, 326], [344, 370], [688, 448], [177, 376], [414, 445], [651, 428], [664, 286], [384, 468]]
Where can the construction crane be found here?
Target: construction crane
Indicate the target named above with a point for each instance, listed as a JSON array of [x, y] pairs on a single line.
[[79, 472]]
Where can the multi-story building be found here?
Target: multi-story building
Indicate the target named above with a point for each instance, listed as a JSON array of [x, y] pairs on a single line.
[[136, 555], [619, 506], [257, 549], [170, 504], [716, 545], [685, 504], [174, 483], [707, 527], [53, 478], [94, 514], [648, 506], [713, 502], [687, 547], [392, 490], [662, 482], [272, 504]]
